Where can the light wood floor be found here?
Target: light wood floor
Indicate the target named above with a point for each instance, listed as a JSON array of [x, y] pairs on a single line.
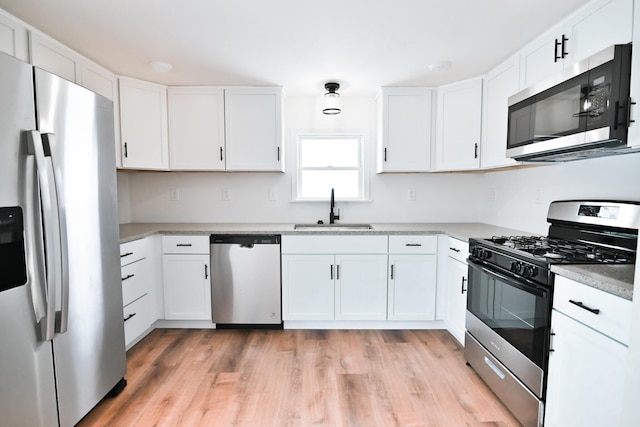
[[300, 378]]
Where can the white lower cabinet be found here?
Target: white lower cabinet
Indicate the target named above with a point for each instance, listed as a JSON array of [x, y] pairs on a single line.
[[187, 283], [586, 375], [137, 289], [412, 277], [307, 287], [457, 288], [361, 287]]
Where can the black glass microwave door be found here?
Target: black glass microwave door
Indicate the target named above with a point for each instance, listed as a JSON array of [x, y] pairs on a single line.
[[519, 316], [553, 113]]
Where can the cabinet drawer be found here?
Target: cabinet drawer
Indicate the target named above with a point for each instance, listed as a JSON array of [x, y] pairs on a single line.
[[185, 244], [334, 244], [133, 251], [135, 283], [137, 318], [458, 249], [613, 318], [413, 244]]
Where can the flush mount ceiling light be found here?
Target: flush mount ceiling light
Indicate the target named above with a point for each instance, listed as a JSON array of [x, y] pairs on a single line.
[[439, 66], [161, 66], [331, 99]]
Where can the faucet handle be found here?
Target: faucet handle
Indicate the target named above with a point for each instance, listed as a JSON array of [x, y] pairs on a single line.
[[336, 213]]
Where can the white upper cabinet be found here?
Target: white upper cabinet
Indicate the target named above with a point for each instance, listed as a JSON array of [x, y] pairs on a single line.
[[634, 129], [55, 57], [458, 126], [499, 84], [13, 38], [143, 125], [404, 129], [253, 128], [98, 79], [588, 31], [196, 128]]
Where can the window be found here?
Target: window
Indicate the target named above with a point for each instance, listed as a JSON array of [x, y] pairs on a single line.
[[327, 161]]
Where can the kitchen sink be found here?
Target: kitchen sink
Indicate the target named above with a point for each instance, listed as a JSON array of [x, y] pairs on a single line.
[[333, 227]]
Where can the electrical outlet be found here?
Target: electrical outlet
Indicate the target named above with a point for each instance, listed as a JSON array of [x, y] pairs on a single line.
[[174, 194], [226, 194], [273, 194], [411, 195]]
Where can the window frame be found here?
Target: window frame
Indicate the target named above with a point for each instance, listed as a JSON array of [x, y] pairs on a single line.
[[363, 182]]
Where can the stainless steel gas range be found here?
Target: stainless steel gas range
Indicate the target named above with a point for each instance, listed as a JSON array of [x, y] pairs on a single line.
[[511, 290]]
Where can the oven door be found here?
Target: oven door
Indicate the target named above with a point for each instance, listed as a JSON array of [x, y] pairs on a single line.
[[509, 316]]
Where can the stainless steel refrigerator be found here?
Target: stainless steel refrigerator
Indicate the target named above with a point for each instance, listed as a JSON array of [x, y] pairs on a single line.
[[61, 327]]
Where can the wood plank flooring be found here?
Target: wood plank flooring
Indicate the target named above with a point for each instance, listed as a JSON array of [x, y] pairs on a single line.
[[300, 378]]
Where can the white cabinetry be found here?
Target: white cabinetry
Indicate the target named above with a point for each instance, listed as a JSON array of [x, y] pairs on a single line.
[[591, 29], [587, 365], [54, 57], [13, 38], [404, 129], [253, 128], [187, 285], [334, 277], [412, 277], [196, 128], [457, 271], [137, 292], [143, 123], [499, 84], [458, 126]]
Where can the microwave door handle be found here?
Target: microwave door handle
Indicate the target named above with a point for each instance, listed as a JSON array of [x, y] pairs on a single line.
[[528, 286], [51, 232], [62, 317]]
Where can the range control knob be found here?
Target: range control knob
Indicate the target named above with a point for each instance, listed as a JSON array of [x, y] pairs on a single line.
[[516, 267], [530, 271], [485, 254]]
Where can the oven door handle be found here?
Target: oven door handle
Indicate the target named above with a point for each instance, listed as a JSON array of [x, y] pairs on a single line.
[[521, 283]]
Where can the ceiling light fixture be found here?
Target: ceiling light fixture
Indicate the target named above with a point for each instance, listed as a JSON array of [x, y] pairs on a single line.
[[440, 66], [161, 66], [331, 99]]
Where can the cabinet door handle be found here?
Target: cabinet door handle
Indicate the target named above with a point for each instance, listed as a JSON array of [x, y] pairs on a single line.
[[184, 244], [126, 153], [127, 254], [338, 272], [455, 249], [562, 44], [413, 244], [128, 277], [581, 305], [221, 159], [206, 271], [129, 316], [385, 154], [564, 52], [464, 279], [331, 273], [475, 150], [278, 153], [391, 271]]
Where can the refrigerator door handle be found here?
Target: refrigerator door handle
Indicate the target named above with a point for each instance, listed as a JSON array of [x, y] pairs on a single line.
[[62, 317]]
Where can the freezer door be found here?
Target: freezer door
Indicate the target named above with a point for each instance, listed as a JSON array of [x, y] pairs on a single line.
[[89, 350], [27, 392]]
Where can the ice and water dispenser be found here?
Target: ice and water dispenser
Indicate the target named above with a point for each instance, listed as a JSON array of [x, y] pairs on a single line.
[[13, 271]]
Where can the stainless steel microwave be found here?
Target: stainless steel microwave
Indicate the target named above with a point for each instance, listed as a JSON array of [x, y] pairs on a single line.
[[581, 113]]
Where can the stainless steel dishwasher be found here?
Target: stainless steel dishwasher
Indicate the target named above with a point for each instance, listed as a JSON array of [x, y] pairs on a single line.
[[245, 281]]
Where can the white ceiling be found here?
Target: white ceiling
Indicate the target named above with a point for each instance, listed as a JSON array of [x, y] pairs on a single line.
[[297, 44]]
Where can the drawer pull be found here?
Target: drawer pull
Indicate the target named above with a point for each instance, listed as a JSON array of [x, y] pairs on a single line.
[[128, 277], [127, 254], [581, 305], [130, 316], [413, 244], [184, 244], [455, 249], [464, 279], [494, 368], [206, 271]]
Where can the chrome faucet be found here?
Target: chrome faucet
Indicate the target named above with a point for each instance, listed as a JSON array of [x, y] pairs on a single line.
[[333, 216]]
